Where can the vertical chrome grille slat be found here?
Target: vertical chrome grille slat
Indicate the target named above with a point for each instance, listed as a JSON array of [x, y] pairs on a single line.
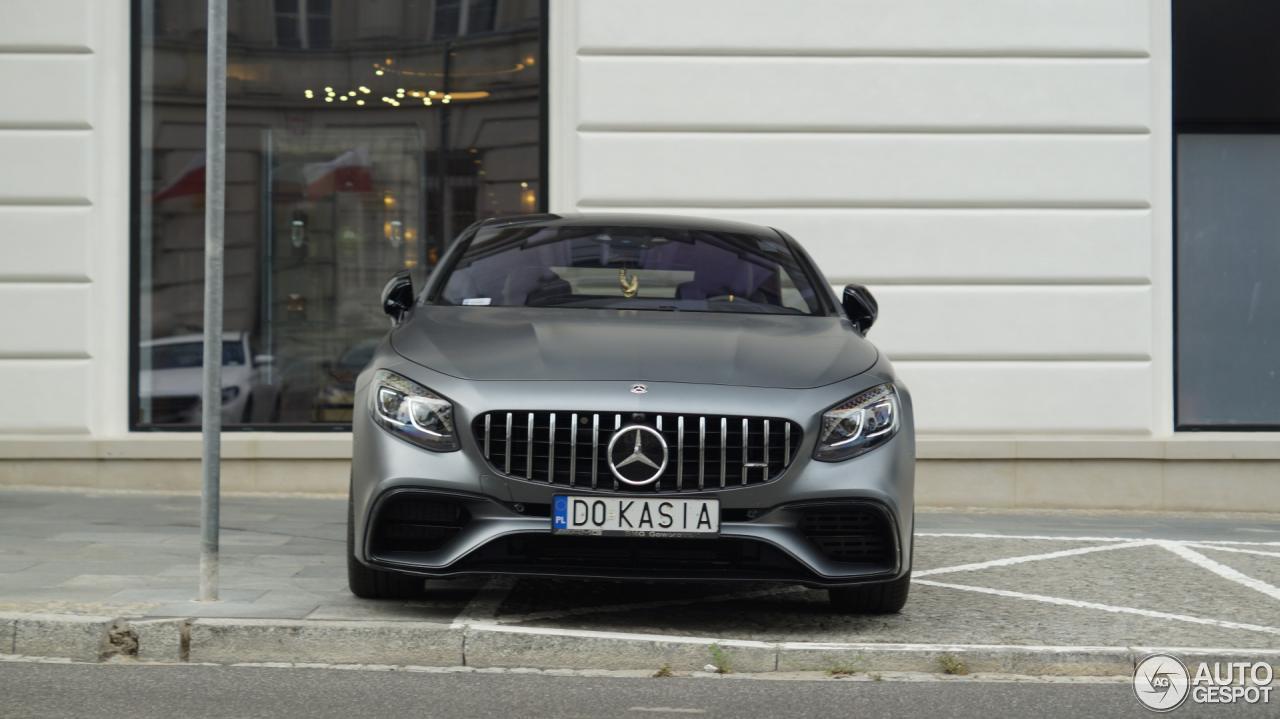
[[724, 447], [765, 477], [757, 449], [507, 469], [657, 486], [528, 449], [617, 425], [786, 444], [595, 447], [551, 450], [573, 448], [702, 449], [679, 453]]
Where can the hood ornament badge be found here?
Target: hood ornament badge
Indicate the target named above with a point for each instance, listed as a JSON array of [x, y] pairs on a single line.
[[639, 389], [630, 284]]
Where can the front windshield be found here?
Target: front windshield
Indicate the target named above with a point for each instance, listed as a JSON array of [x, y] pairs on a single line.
[[631, 268]]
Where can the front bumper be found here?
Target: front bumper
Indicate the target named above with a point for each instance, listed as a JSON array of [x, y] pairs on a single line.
[[507, 529]]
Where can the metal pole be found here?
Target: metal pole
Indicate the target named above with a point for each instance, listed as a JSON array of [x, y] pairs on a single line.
[[215, 200]]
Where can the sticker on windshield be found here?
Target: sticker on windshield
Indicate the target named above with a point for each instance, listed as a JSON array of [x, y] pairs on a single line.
[[476, 301]]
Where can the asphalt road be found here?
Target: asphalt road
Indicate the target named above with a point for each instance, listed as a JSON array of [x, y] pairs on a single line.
[[141, 691]]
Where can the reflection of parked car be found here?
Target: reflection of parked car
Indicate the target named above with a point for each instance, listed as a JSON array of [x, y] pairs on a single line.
[[172, 378], [333, 401]]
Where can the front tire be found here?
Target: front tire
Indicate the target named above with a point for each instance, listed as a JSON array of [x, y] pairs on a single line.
[[878, 598], [369, 583]]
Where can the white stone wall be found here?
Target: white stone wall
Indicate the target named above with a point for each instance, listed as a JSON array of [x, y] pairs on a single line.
[[64, 214], [995, 170]]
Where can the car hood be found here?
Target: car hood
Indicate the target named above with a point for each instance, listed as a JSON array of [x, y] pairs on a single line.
[[184, 381], [526, 343]]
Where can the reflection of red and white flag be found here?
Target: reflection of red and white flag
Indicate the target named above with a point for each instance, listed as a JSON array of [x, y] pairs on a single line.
[[348, 172], [190, 181]]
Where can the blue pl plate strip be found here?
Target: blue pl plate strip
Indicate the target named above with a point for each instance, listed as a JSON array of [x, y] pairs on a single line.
[[560, 512]]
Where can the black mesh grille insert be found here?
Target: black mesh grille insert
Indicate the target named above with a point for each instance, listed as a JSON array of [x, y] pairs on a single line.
[[850, 533], [413, 522]]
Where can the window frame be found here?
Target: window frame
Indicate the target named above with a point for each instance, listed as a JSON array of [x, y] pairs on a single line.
[[301, 18], [1202, 128], [1229, 123]]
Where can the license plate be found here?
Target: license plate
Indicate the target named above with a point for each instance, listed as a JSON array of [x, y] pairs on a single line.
[[648, 517]]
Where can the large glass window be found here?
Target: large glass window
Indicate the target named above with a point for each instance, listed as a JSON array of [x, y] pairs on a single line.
[[362, 137], [1227, 150]]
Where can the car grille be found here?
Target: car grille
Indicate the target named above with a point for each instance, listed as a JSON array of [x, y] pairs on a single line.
[[570, 449], [415, 522], [854, 532]]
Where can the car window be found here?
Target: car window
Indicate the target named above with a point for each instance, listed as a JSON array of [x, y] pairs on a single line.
[[191, 354], [632, 268]]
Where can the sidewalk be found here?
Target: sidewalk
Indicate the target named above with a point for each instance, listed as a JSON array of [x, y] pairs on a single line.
[[1023, 592]]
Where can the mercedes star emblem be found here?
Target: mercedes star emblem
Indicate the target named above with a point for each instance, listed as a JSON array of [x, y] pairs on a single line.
[[639, 389], [637, 455]]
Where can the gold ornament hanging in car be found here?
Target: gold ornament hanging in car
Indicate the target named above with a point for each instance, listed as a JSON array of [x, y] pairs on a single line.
[[630, 284]]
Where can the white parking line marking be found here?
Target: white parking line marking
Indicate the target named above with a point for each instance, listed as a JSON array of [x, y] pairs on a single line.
[[484, 606], [1234, 550], [481, 613], [668, 710], [1007, 561], [1220, 569], [1053, 538], [598, 634], [1033, 648], [1102, 607]]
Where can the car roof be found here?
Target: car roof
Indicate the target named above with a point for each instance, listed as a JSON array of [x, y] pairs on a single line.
[[629, 219], [229, 336]]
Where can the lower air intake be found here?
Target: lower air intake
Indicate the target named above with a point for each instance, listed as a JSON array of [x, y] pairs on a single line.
[[853, 533], [412, 522]]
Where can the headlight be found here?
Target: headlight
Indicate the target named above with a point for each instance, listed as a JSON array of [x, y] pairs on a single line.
[[864, 422], [412, 412]]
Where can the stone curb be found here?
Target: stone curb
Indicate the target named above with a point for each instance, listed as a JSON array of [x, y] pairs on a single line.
[[73, 636], [514, 646], [229, 641]]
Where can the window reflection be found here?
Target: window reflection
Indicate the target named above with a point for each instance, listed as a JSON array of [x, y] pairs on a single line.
[[362, 136]]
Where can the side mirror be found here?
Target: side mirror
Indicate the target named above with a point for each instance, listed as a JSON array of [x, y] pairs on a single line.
[[860, 307], [397, 295]]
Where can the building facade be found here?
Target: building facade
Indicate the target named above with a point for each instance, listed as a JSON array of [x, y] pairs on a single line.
[[1078, 328]]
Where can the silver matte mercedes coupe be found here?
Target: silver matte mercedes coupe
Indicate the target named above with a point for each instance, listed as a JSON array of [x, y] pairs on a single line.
[[631, 397]]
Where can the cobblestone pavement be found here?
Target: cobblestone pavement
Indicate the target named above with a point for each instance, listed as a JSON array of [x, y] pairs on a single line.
[[981, 577]]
